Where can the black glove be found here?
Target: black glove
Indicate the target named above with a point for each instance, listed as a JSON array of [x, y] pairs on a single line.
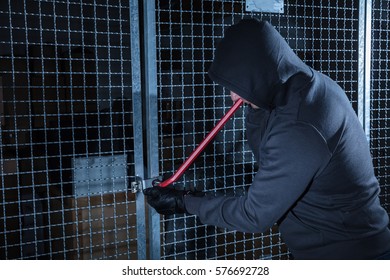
[[166, 201]]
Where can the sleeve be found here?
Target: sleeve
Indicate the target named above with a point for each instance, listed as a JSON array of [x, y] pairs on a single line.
[[291, 158]]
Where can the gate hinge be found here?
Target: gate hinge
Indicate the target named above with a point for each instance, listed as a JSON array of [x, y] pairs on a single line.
[[141, 184]]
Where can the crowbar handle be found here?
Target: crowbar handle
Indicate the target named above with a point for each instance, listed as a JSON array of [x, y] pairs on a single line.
[[201, 146]]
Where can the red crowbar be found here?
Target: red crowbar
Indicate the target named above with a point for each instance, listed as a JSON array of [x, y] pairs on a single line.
[[201, 146]]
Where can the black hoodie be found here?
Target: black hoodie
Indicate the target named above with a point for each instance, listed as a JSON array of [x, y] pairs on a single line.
[[315, 177]]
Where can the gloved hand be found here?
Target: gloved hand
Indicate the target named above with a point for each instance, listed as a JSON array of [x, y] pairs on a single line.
[[166, 201]]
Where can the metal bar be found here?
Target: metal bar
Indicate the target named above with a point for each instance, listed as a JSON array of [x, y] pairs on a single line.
[[137, 124], [151, 122], [194, 155], [364, 65]]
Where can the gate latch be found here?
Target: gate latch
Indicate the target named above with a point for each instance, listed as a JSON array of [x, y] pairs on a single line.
[[140, 184]]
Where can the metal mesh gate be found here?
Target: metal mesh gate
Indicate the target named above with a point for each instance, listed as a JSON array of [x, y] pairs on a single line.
[[325, 36], [67, 152], [72, 130], [380, 86]]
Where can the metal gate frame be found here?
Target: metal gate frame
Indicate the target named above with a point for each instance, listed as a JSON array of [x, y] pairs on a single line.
[[151, 121], [137, 126], [364, 64], [151, 109]]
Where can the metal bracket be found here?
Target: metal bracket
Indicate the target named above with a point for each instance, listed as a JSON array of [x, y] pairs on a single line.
[[270, 6], [141, 184]]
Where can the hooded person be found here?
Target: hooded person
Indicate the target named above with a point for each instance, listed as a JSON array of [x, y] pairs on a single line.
[[315, 179]]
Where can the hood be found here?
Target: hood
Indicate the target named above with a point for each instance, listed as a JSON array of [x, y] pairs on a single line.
[[254, 61]]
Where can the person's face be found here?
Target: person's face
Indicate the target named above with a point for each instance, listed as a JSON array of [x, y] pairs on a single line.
[[234, 96]]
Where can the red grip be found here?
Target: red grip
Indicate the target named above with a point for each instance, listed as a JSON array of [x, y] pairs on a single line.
[[202, 145]]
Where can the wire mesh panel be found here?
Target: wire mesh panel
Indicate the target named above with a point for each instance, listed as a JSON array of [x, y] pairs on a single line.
[[380, 87], [324, 34], [71, 125], [66, 151]]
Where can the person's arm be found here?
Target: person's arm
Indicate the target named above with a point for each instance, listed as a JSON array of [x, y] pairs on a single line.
[[290, 160]]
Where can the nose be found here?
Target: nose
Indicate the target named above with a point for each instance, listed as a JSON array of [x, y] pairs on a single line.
[[234, 96]]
